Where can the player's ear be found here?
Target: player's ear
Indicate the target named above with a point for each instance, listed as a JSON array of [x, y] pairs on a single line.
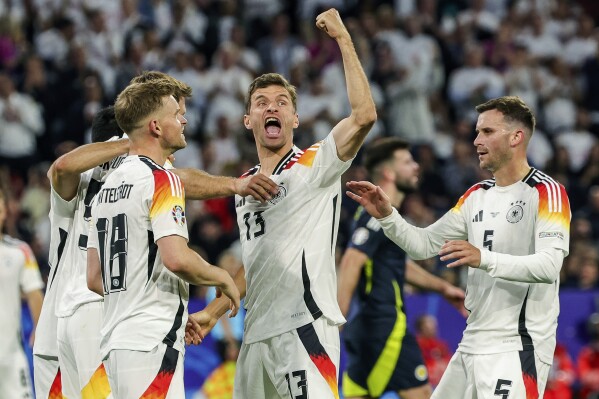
[[246, 122], [296, 121], [155, 127], [517, 138]]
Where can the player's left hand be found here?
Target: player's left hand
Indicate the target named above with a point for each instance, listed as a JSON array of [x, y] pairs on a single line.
[[465, 253], [330, 22], [259, 186], [198, 326]]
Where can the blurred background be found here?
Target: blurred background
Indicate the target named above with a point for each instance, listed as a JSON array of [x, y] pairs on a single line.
[[429, 63]]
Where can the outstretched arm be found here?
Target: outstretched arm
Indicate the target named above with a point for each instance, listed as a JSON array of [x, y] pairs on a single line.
[[350, 132], [420, 277], [200, 185], [66, 170], [199, 324]]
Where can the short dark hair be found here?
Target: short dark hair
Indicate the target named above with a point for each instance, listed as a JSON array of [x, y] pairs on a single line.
[[181, 90], [270, 79], [382, 150], [104, 125], [513, 110]]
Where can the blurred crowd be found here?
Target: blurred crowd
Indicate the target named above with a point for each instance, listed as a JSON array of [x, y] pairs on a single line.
[[429, 63]]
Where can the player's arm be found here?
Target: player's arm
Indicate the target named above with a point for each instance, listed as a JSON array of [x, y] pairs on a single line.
[[94, 273], [352, 262], [350, 132], [35, 299], [65, 172], [420, 277], [419, 243], [191, 267], [200, 185], [199, 324]]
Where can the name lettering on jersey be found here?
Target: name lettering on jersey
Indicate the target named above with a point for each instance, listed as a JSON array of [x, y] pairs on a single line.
[[478, 217], [552, 234], [114, 194], [113, 163], [516, 212]]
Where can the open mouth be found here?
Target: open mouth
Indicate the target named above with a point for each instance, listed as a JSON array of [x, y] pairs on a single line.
[[273, 127]]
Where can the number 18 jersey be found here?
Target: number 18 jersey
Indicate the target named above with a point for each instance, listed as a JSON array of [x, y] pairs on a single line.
[[144, 302], [288, 243]]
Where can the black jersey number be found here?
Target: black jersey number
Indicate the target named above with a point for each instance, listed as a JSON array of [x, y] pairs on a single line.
[[259, 223], [302, 384], [112, 248], [488, 239], [502, 388], [93, 188]]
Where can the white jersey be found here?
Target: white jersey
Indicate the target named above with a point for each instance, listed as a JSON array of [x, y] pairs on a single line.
[[73, 291], [513, 301], [18, 273], [288, 243], [144, 303], [61, 218]]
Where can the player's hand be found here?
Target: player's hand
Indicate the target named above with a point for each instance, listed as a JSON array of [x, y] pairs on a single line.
[[371, 197], [465, 253], [330, 22], [198, 325], [455, 296], [229, 289], [258, 186]]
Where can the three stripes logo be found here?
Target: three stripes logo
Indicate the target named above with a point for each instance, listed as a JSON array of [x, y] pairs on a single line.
[[478, 217]]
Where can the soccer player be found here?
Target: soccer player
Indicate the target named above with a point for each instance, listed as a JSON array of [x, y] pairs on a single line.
[[291, 341], [383, 355], [138, 256], [512, 231], [19, 273]]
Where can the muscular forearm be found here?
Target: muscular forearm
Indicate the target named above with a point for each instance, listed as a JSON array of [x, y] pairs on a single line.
[[34, 302], [200, 185], [349, 275], [541, 267], [421, 278], [220, 306], [421, 243]]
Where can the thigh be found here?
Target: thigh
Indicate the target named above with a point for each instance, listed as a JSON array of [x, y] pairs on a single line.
[[306, 361], [512, 375], [251, 379], [135, 374], [46, 377], [456, 382], [16, 381]]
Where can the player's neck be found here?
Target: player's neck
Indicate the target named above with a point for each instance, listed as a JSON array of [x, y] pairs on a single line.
[[511, 173], [269, 159], [156, 154], [395, 196]]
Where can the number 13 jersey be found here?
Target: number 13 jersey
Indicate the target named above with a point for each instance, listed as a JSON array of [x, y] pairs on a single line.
[[288, 243]]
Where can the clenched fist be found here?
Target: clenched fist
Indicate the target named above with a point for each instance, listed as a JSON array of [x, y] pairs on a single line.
[[330, 22]]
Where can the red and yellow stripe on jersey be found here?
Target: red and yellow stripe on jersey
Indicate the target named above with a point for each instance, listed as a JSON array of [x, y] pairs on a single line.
[[98, 386], [554, 204], [307, 159], [168, 193], [485, 184], [319, 356], [30, 262], [56, 388]]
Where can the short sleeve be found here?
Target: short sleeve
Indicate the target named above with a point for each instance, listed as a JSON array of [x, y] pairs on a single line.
[[167, 208]]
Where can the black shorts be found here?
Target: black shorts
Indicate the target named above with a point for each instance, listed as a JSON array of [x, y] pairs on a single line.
[[382, 356]]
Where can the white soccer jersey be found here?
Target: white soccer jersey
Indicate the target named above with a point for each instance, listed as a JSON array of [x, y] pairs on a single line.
[[73, 291], [61, 218], [18, 273], [288, 243], [513, 304], [144, 303]]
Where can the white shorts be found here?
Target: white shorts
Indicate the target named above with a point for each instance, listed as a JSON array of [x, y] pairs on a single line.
[[46, 377], [79, 353], [509, 375], [15, 380], [303, 363], [154, 374]]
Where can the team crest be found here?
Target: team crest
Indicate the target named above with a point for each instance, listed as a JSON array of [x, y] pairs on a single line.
[[516, 212], [178, 215], [421, 373], [280, 195]]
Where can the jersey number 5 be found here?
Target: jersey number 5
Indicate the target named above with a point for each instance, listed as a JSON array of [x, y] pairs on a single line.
[[112, 241], [488, 239]]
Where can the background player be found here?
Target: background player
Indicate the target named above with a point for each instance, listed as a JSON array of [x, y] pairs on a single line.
[[19, 273], [383, 355], [291, 339], [138, 254], [517, 231]]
